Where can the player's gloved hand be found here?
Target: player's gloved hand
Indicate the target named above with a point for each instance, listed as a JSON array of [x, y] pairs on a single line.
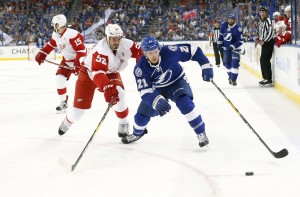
[[161, 105], [227, 49], [111, 93], [207, 72], [40, 57], [77, 67]]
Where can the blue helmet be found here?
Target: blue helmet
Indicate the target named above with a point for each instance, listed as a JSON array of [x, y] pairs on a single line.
[[231, 16], [149, 43]]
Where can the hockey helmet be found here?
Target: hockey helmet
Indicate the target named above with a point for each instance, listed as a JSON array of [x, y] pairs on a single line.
[[287, 8], [113, 30], [276, 14], [58, 21], [232, 16], [264, 9], [149, 43]]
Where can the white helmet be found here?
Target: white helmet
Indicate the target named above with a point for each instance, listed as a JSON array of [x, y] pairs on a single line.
[[60, 20], [276, 14], [113, 30], [287, 8]]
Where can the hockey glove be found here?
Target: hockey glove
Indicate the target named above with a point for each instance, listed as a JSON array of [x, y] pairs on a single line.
[[228, 49], [40, 57], [77, 67], [161, 105], [220, 46], [207, 72], [111, 93]]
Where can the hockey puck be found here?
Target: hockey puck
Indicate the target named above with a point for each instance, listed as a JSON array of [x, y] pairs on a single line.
[[249, 173]]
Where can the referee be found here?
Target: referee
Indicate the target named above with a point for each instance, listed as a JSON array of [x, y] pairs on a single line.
[[267, 45], [214, 39]]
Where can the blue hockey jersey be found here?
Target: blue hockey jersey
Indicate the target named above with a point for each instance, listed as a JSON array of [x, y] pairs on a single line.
[[154, 77], [230, 36]]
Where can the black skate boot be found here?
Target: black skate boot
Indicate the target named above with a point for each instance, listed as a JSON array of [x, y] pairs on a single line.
[[266, 83], [132, 138], [123, 130], [64, 127], [62, 106], [203, 140]]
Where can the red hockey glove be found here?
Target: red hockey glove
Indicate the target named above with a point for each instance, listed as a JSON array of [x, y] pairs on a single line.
[[77, 67], [40, 57], [111, 94]]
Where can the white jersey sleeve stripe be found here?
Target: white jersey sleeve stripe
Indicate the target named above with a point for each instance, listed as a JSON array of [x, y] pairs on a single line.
[[145, 91], [97, 72]]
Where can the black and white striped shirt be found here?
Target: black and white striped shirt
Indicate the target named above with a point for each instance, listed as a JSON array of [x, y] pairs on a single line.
[[266, 31], [216, 32]]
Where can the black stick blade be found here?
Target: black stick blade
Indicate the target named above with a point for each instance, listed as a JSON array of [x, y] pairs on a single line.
[[284, 152]]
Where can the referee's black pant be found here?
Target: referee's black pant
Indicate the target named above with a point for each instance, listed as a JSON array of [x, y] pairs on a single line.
[[217, 53], [265, 59]]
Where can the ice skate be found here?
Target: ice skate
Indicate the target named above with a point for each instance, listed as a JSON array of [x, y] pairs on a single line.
[[203, 141], [62, 107], [64, 127], [132, 138], [123, 130], [266, 83], [233, 83]]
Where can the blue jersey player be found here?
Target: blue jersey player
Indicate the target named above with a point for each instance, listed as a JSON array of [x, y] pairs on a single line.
[[160, 78], [231, 40]]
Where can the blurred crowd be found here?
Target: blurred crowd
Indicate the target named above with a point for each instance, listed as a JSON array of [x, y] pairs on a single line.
[[25, 21]]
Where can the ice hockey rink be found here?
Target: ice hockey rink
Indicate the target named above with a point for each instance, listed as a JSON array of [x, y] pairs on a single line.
[[167, 162]]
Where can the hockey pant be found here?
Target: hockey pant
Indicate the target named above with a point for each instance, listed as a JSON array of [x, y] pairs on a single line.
[[232, 64], [84, 94], [184, 101]]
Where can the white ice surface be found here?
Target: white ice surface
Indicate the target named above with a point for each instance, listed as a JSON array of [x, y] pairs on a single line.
[[167, 162]]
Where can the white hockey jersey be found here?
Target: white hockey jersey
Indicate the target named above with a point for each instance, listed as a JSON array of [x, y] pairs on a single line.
[[101, 59], [70, 44]]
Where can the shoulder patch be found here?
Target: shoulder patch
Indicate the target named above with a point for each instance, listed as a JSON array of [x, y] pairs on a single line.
[[240, 29], [172, 47], [138, 72]]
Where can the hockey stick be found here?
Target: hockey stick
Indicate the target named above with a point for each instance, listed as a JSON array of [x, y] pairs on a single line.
[[241, 53], [59, 65], [66, 164], [238, 52], [284, 152]]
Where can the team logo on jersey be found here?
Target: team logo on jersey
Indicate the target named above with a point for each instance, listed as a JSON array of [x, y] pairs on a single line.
[[61, 47], [240, 29], [138, 72], [228, 37], [172, 47], [164, 78]]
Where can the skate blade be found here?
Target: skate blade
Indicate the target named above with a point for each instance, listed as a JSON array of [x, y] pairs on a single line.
[[205, 148], [266, 86], [61, 111]]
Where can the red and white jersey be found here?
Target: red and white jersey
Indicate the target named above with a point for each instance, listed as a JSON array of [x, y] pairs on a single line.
[[102, 59], [70, 44], [283, 38]]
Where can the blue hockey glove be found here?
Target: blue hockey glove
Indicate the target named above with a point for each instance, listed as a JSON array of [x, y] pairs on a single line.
[[227, 49], [207, 72], [220, 46], [161, 105]]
